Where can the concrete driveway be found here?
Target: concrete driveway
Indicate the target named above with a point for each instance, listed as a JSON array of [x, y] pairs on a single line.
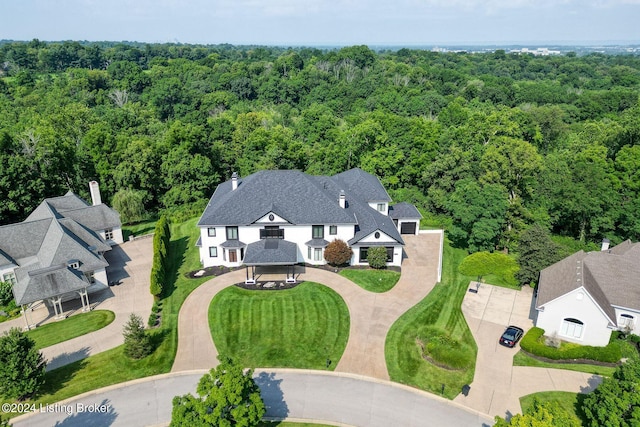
[[497, 384], [295, 395], [371, 314], [130, 264]]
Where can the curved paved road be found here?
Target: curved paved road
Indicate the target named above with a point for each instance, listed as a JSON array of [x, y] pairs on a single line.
[[371, 314], [342, 399]]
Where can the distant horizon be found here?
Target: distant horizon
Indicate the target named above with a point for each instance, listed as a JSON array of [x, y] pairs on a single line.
[[327, 22], [552, 43]]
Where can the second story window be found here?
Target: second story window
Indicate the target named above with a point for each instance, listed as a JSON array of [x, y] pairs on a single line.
[[211, 232], [272, 232], [317, 231], [232, 233], [381, 207], [333, 230], [108, 234]]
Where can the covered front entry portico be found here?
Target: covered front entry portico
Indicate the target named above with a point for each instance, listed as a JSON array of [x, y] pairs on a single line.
[[271, 253]]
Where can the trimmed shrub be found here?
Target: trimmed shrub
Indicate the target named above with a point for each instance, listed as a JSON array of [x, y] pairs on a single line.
[[338, 253], [531, 343], [6, 295], [22, 366], [377, 257]]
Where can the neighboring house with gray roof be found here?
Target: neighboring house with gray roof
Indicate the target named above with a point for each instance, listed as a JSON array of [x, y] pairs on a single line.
[[305, 212], [589, 294], [56, 254]]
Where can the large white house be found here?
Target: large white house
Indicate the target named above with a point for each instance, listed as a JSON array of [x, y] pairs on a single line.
[[286, 217], [56, 253], [587, 295]]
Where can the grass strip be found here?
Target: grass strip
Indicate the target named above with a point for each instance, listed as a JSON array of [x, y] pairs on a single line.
[[440, 309], [72, 327], [372, 280]]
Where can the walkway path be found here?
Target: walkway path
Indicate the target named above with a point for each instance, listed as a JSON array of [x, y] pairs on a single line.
[[497, 384], [298, 395], [371, 314], [130, 263]]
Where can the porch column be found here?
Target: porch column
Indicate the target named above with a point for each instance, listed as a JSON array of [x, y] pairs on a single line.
[[24, 313]]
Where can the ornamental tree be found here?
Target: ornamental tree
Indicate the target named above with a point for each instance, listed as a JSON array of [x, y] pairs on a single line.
[[137, 343], [227, 396], [484, 263], [338, 252], [22, 366]]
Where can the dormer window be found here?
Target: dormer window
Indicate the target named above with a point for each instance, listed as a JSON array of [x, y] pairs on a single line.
[[10, 278], [73, 263], [108, 234], [381, 207]]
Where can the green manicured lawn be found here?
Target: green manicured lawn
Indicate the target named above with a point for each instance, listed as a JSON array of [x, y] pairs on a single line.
[[568, 401], [74, 326], [522, 359], [111, 367], [138, 229], [439, 310], [293, 328], [372, 280]]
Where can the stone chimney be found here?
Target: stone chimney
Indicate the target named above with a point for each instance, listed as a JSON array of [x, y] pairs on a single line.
[[605, 245], [234, 181], [94, 189], [342, 199]]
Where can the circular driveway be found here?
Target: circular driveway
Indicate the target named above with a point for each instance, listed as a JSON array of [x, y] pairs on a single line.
[[342, 399], [371, 314]]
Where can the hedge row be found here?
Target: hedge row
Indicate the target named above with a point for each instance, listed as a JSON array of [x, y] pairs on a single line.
[[531, 343], [161, 238]]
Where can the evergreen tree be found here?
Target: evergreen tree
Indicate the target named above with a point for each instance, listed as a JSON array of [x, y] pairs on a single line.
[[137, 343]]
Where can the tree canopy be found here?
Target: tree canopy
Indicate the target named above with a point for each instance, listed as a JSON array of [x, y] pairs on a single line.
[[227, 397]]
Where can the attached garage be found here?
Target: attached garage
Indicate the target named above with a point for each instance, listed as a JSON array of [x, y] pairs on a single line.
[[406, 218], [408, 228]]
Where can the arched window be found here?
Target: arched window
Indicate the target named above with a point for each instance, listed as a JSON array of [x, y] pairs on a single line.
[[572, 328]]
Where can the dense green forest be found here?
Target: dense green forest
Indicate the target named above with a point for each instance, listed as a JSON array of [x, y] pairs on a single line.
[[486, 144]]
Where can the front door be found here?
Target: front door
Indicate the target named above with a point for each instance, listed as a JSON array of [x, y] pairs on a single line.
[[233, 257]]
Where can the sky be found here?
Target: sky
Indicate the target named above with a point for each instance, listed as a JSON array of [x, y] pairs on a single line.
[[325, 22]]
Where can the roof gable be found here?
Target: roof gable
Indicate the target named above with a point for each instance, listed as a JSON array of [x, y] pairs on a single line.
[[611, 277]]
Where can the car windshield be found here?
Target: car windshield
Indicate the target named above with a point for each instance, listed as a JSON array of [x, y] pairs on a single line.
[[508, 336]]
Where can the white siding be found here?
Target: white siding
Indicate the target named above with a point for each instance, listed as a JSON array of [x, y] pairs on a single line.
[[371, 238], [299, 234], [579, 305], [416, 221], [632, 318], [117, 236], [397, 254], [374, 206]]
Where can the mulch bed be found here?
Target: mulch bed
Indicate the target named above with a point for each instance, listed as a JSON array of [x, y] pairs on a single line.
[[259, 286], [220, 270], [210, 271]]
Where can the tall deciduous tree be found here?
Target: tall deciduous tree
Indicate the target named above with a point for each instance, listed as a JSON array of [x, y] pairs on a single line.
[[616, 402], [22, 366], [227, 396], [536, 252], [548, 414]]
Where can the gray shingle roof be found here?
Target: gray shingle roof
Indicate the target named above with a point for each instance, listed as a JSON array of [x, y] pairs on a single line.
[[36, 285], [60, 229], [303, 200], [404, 211], [317, 243], [369, 186], [611, 277], [271, 252], [291, 194], [231, 244]]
